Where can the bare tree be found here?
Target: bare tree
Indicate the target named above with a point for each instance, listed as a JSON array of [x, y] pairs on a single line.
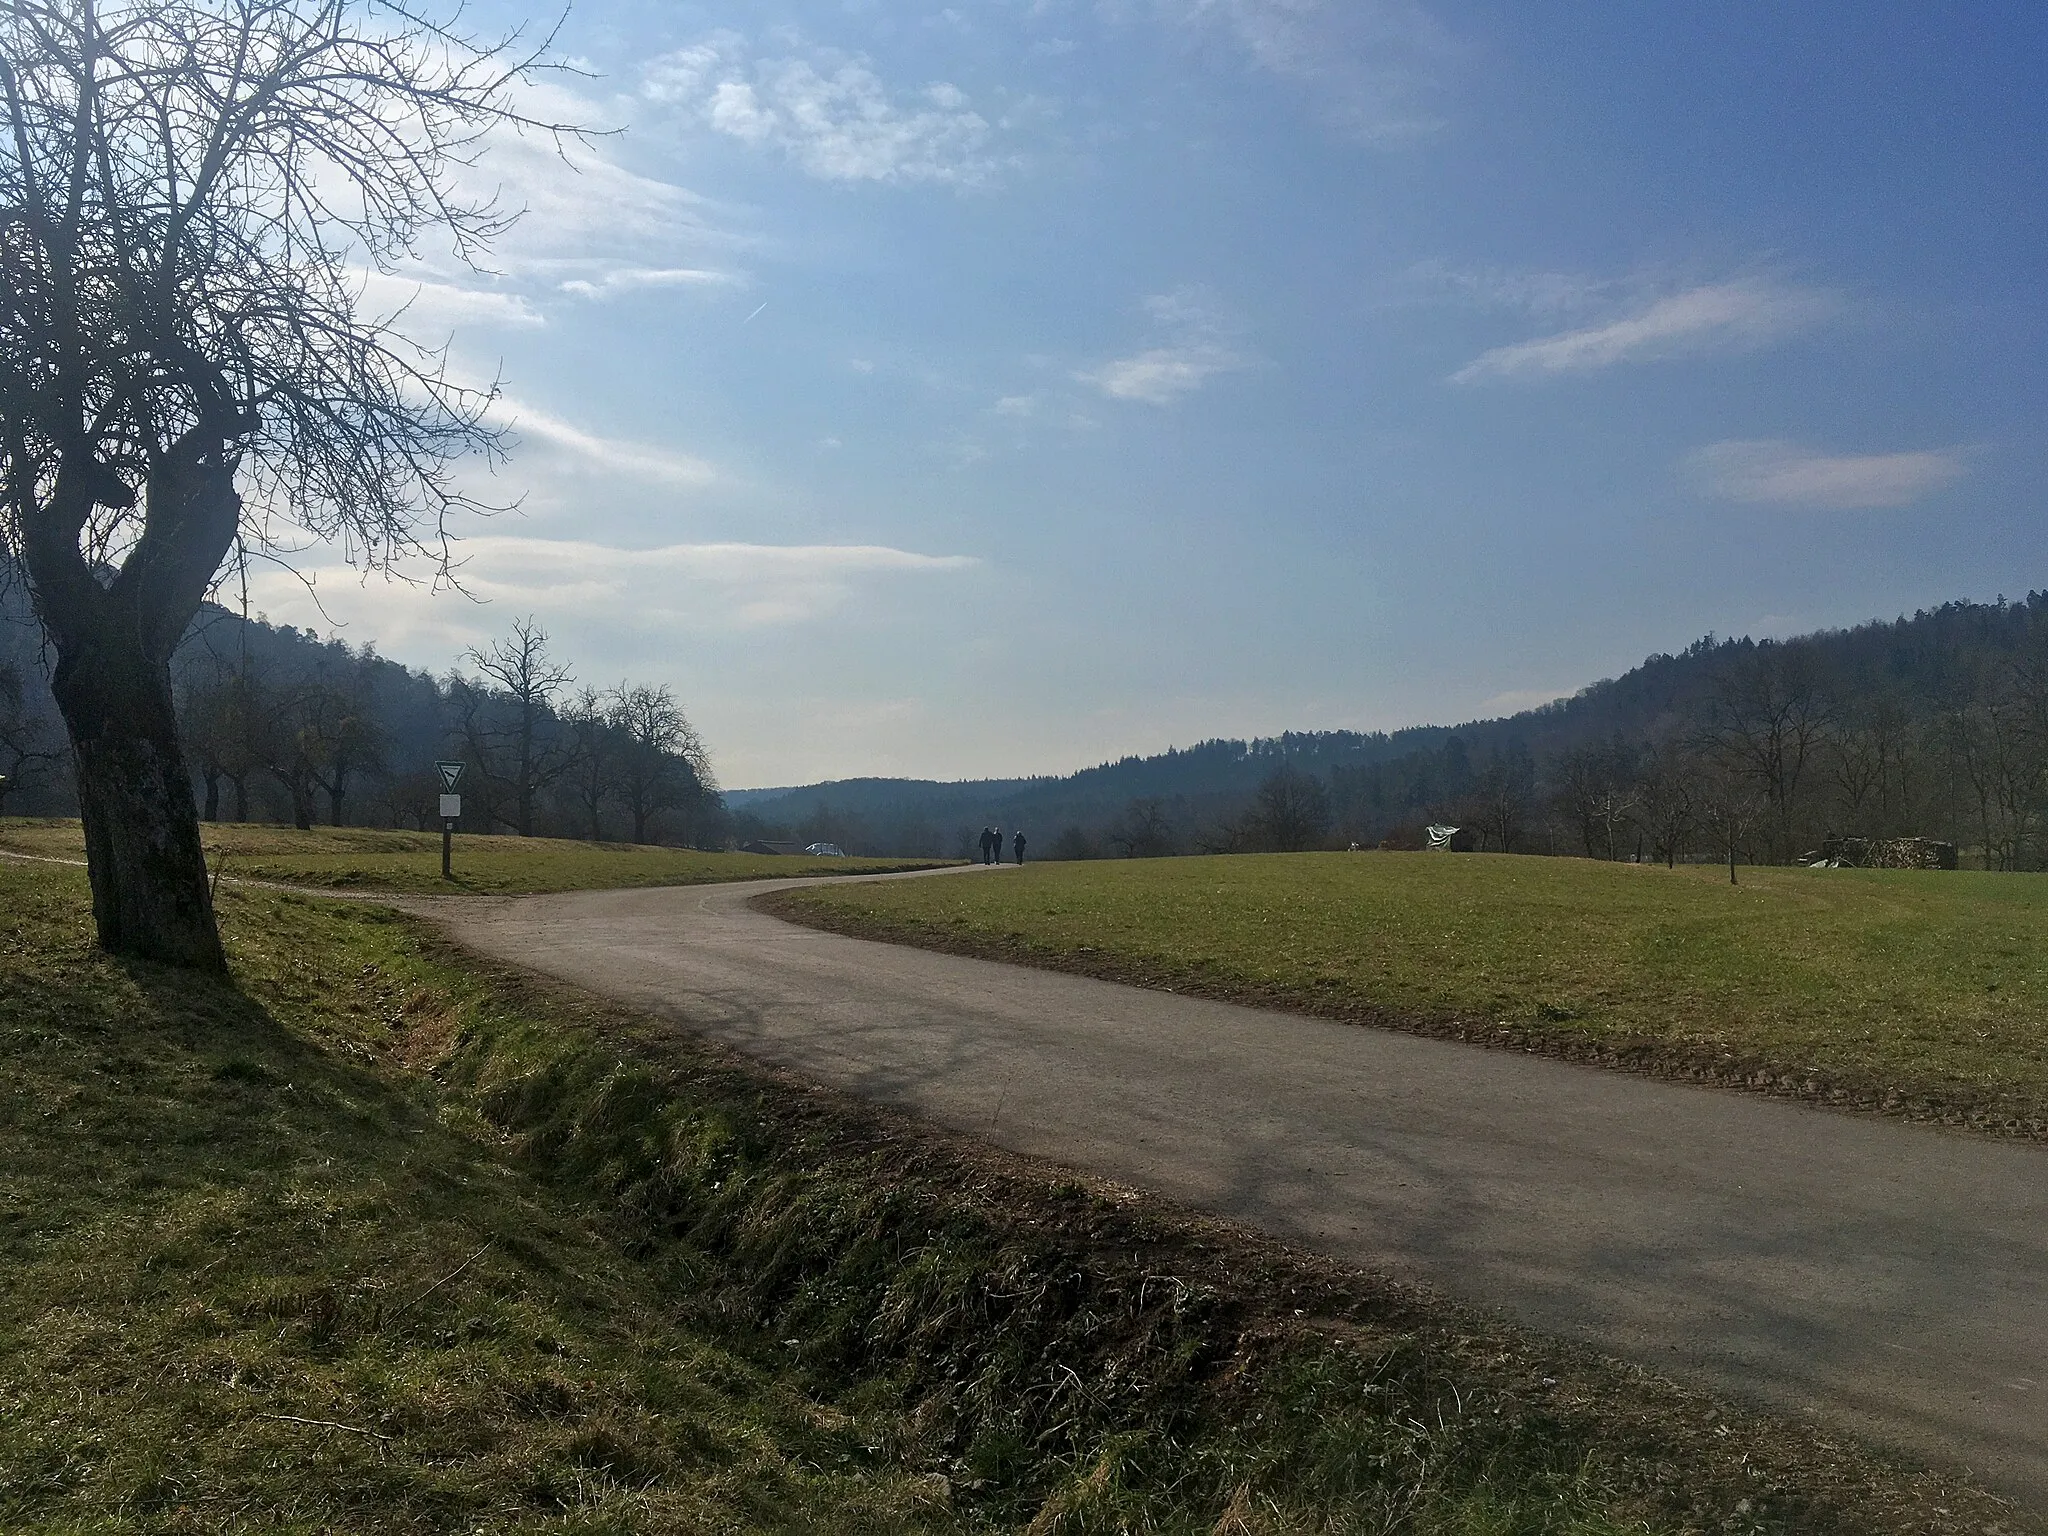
[[1502, 797], [593, 781], [521, 745], [1769, 718], [663, 765], [1292, 811], [26, 743], [224, 720], [1143, 831], [1732, 806], [1671, 800], [187, 190]]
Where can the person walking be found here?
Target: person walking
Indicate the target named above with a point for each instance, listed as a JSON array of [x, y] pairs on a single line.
[[988, 839], [997, 845], [1019, 845]]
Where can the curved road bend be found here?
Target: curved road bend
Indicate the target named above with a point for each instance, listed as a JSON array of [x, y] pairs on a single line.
[[1887, 1278]]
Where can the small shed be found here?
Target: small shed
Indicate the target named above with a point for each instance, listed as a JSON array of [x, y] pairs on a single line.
[[768, 845], [1445, 839]]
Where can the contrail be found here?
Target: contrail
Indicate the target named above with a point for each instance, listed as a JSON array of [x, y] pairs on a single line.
[[757, 309]]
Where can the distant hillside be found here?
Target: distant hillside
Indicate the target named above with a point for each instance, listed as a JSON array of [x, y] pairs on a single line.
[[1934, 724], [280, 725], [1377, 783]]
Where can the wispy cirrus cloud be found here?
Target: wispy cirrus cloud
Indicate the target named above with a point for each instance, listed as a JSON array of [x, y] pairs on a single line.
[[1196, 342], [641, 461], [1739, 315], [1772, 470], [428, 310], [670, 588], [827, 112], [631, 279]]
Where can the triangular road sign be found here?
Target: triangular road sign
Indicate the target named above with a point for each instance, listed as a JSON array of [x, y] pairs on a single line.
[[451, 775]]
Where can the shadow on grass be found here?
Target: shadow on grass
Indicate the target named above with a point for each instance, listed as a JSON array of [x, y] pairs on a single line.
[[242, 1269]]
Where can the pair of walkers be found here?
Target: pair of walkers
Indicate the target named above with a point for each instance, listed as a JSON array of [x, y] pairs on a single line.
[[992, 845]]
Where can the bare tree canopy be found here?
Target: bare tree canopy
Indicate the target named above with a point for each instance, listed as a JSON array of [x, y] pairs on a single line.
[[190, 191]]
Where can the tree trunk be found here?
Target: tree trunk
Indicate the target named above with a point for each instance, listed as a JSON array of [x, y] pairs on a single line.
[[142, 847], [211, 777], [112, 683], [241, 783]]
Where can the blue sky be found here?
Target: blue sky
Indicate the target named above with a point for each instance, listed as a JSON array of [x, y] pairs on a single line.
[[1000, 388]]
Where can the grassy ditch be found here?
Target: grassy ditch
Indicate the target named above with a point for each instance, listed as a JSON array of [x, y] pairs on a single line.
[[385, 1240], [1921, 993], [364, 859]]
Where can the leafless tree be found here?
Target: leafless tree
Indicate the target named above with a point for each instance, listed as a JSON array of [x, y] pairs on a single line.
[[663, 765], [1143, 831], [1292, 811], [219, 717], [519, 743], [593, 781], [1502, 798], [1671, 799], [187, 190], [1769, 717], [1732, 806], [26, 743]]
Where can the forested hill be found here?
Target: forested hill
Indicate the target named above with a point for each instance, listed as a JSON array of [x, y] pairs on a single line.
[[1937, 665], [281, 725], [1931, 725]]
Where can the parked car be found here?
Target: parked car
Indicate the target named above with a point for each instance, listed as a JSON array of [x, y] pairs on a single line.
[[825, 851]]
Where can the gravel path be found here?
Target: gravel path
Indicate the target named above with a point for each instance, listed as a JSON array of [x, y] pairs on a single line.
[[1889, 1279]]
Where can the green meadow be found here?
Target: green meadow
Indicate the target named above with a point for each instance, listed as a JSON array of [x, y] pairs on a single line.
[[1921, 990], [381, 1239], [361, 859]]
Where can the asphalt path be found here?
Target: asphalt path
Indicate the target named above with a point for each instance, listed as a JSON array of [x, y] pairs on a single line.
[[1887, 1279]]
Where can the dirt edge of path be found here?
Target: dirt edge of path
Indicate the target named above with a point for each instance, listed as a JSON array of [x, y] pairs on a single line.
[[1987, 1113], [1694, 1460]]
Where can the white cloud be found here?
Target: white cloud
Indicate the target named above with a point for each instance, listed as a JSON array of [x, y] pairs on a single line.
[[1741, 314], [1370, 65], [693, 587], [828, 113], [588, 227], [1774, 471], [429, 311], [1195, 347], [631, 279], [644, 461]]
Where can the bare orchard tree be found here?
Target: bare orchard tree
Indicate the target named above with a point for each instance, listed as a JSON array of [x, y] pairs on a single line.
[[186, 188], [662, 765], [1672, 798], [517, 738]]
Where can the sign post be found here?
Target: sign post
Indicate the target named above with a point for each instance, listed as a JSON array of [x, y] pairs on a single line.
[[451, 813]]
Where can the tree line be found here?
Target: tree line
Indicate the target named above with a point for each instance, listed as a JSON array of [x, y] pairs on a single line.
[[1780, 753], [1933, 724], [281, 726]]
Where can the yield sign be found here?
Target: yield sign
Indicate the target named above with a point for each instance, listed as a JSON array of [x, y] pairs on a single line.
[[451, 775]]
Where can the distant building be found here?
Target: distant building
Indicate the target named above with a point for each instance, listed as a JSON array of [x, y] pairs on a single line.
[[763, 845]]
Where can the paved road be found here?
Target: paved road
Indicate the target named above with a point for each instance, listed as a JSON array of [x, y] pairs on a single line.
[[1892, 1280]]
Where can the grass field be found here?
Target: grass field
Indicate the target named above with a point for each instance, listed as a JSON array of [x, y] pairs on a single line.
[[1921, 992], [380, 1240], [352, 858]]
